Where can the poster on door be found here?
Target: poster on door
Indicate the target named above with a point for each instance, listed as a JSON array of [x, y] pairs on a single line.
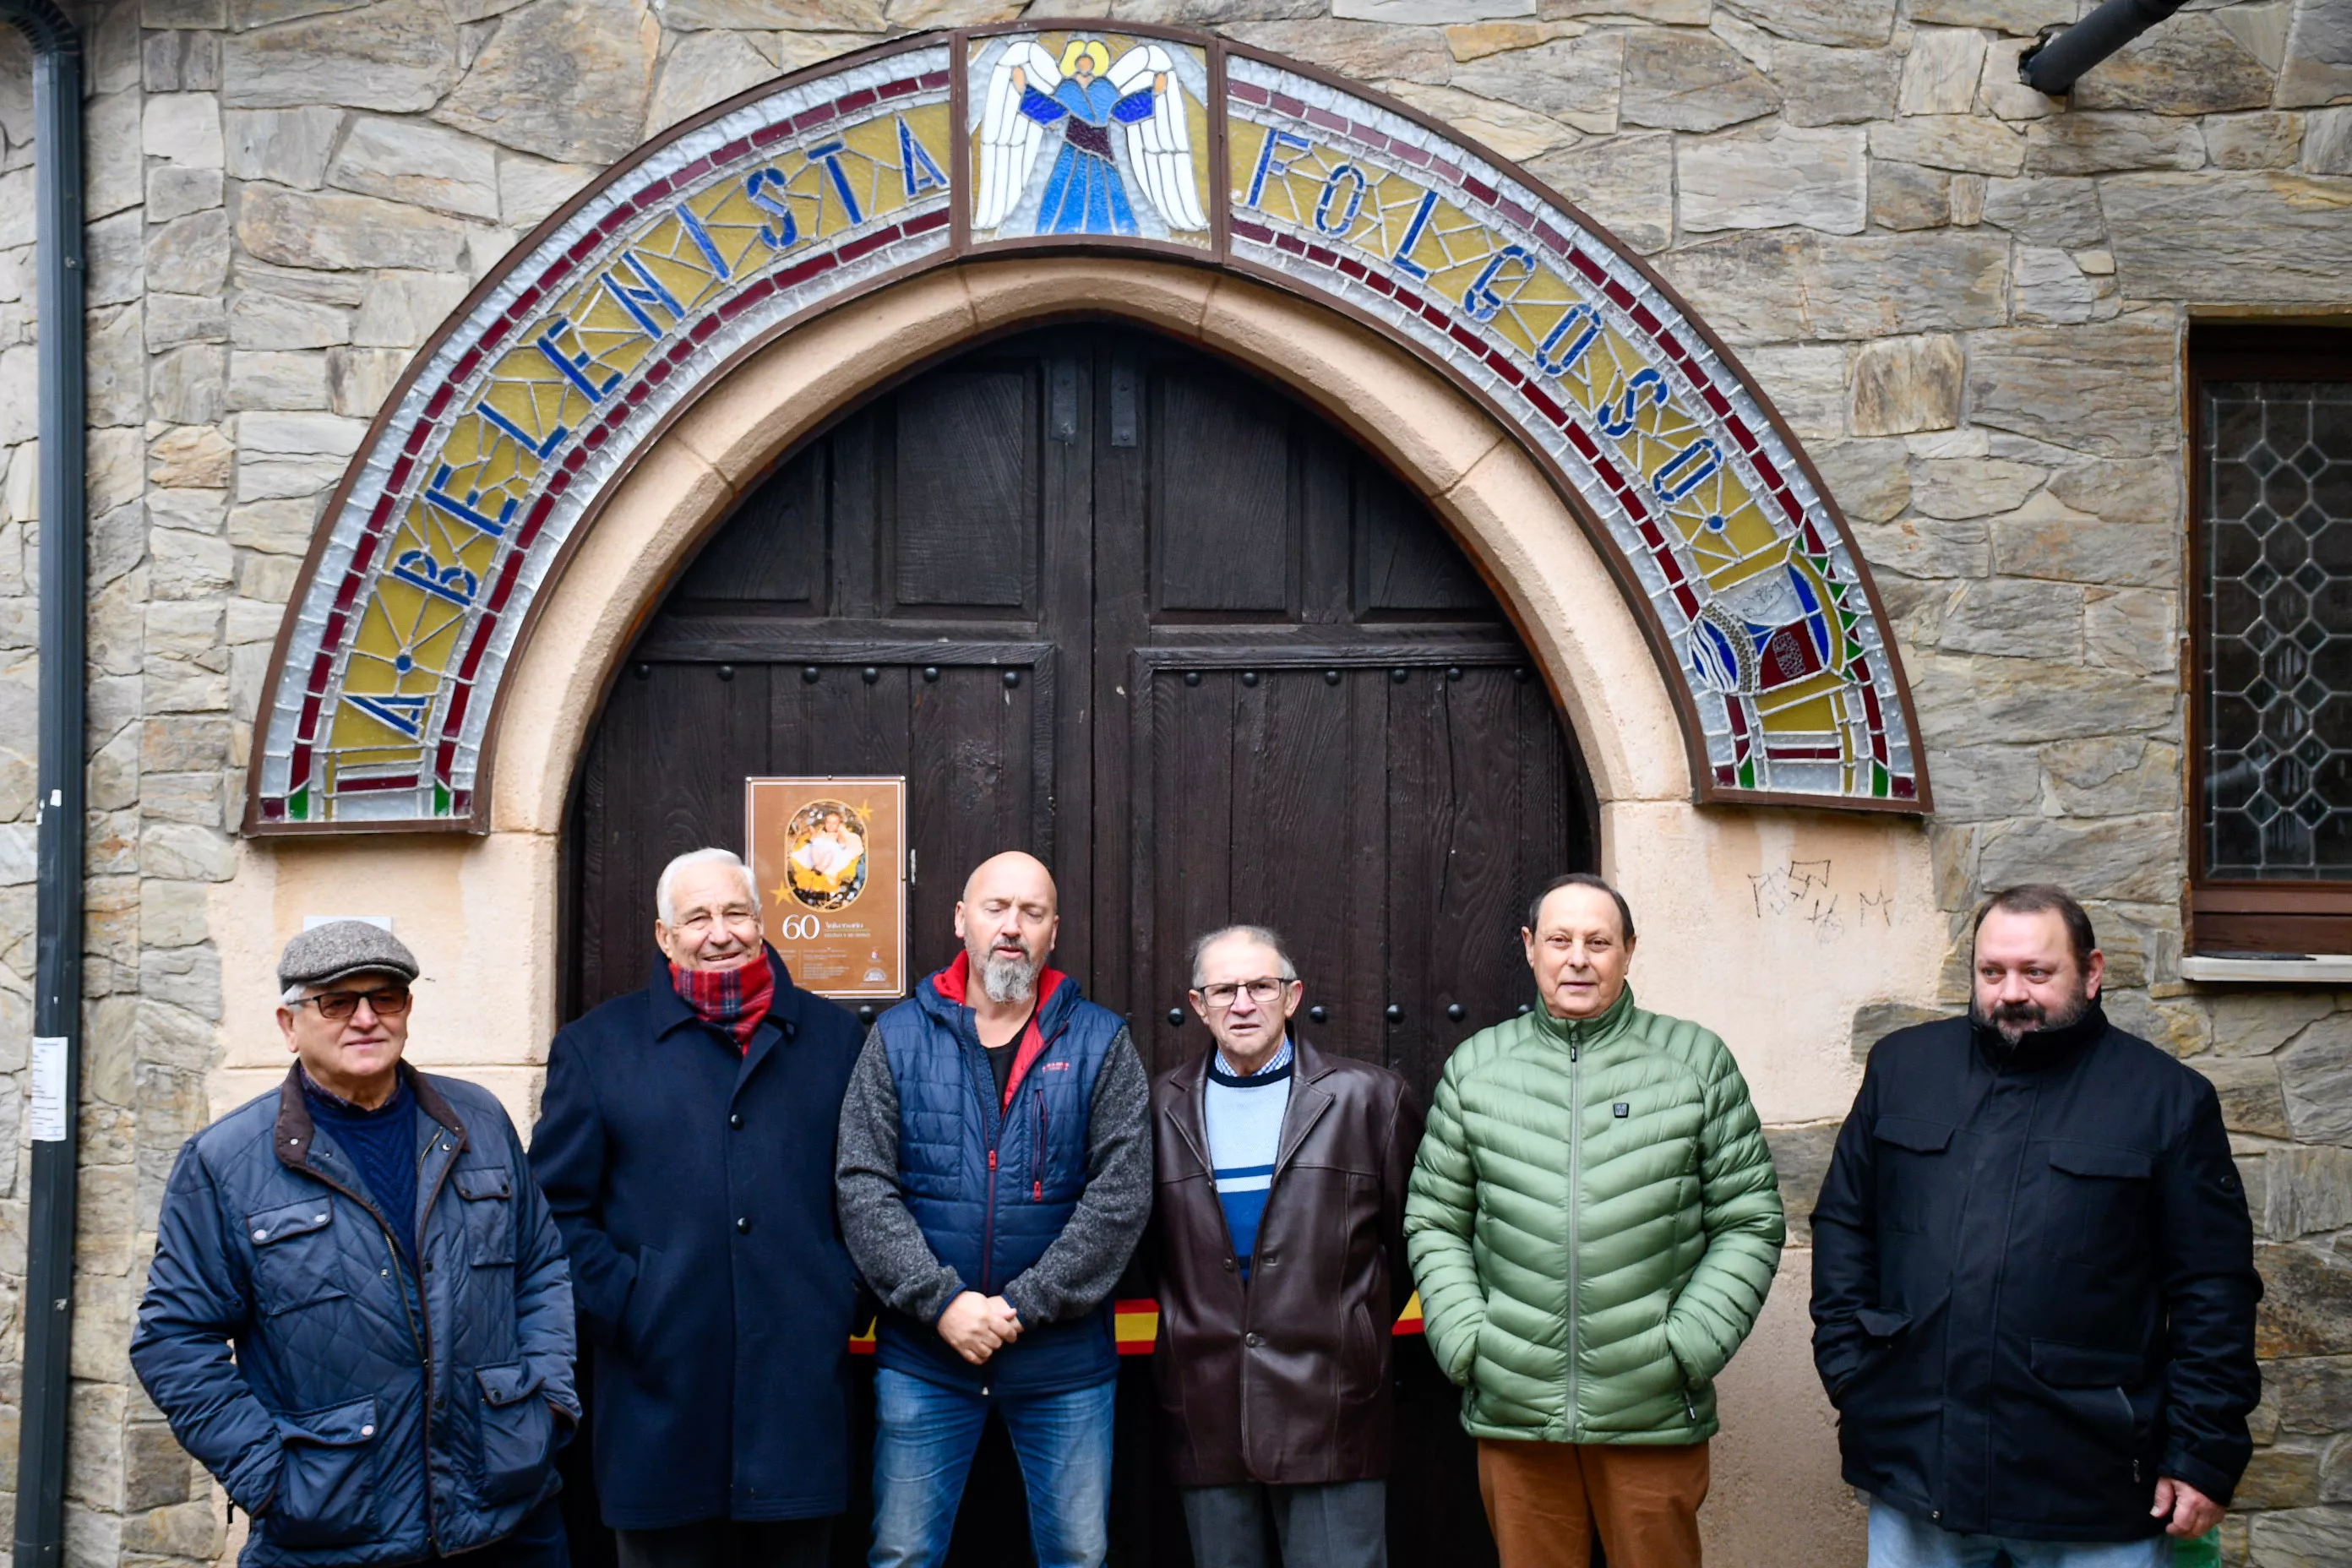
[[830, 856]]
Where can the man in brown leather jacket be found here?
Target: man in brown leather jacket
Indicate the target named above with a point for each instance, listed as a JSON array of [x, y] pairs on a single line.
[[1278, 1243]]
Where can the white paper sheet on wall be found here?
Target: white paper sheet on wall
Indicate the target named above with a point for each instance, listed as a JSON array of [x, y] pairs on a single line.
[[48, 1113]]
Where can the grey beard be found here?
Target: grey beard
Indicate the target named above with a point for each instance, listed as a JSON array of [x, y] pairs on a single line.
[[1008, 979]]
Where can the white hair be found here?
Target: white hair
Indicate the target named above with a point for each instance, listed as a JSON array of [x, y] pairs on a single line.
[[1259, 935], [667, 909]]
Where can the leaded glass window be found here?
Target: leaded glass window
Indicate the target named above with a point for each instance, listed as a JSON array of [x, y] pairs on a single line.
[[2276, 683]]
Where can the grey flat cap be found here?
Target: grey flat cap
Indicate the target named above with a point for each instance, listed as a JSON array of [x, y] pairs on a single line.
[[340, 948]]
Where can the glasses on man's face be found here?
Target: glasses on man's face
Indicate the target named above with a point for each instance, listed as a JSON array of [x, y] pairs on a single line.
[[337, 1005], [1223, 994]]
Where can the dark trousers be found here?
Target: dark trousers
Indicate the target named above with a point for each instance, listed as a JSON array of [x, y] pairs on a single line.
[[537, 1542], [1343, 1524], [730, 1544]]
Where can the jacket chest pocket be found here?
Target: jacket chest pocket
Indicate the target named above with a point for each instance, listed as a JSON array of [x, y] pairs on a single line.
[[486, 1203], [1913, 1169], [1054, 1127], [295, 1255], [2098, 1203]]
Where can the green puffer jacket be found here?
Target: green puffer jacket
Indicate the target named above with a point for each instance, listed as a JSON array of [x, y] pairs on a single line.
[[1593, 1225]]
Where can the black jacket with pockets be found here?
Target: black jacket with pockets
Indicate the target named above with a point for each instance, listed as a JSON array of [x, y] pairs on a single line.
[[2034, 1282]]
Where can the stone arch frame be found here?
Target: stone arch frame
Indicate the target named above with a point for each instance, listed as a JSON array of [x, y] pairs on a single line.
[[1660, 378]]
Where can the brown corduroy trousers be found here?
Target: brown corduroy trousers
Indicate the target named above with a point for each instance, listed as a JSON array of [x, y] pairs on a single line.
[[1544, 1500]]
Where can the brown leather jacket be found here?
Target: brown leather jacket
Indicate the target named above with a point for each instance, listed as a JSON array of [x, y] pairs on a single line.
[[1284, 1380]]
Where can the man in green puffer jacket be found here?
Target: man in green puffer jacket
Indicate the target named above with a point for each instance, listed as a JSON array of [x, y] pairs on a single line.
[[1593, 1225]]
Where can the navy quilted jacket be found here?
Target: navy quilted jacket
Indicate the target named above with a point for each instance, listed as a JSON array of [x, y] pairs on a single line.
[[357, 1422], [993, 1188]]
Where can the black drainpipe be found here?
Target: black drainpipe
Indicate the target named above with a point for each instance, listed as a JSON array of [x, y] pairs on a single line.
[[47, 1307], [2063, 54]]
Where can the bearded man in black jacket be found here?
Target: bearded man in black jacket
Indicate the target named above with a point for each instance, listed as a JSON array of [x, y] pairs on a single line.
[[2033, 1280]]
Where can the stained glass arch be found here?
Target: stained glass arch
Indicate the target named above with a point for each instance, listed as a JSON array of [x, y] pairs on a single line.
[[800, 196]]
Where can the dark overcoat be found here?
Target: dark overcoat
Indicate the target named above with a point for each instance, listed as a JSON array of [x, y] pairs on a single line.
[[693, 1184], [2034, 1282]]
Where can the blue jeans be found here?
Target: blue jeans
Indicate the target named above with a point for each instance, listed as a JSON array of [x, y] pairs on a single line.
[[925, 1436], [1899, 1541]]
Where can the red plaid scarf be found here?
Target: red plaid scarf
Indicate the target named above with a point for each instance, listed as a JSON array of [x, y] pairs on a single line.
[[734, 999]]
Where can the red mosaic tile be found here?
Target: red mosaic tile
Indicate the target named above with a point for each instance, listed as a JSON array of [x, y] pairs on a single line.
[[533, 521], [475, 650], [439, 400]]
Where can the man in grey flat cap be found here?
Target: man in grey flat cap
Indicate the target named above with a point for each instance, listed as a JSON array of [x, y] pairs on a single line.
[[358, 1316]]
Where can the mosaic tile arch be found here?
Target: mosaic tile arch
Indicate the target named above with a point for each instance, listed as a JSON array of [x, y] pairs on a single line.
[[491, 454]]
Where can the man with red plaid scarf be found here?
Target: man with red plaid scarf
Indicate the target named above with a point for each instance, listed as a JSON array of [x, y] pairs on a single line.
[[685, 1147]]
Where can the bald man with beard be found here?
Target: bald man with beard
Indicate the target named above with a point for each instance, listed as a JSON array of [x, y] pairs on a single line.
[[994, 1173]]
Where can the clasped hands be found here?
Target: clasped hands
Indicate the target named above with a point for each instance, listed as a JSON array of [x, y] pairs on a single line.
[[978, 1326]]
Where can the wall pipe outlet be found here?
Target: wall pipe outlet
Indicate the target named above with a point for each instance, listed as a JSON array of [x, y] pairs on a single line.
[[2058, 61]]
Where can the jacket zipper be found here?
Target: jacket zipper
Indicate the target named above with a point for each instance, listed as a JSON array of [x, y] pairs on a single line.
[[1037, 1155], [988, 1224], [1575, 1228], [431, 1373], [414, 1315]]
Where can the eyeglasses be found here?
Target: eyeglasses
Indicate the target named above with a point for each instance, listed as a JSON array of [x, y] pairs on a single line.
[[337, 1005], [1261, 991]]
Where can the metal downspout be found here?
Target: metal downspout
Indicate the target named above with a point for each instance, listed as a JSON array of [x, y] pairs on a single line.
[[47, 1306], [2059, 59]]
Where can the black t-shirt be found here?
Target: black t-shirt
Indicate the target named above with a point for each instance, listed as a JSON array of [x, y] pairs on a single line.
[[1000, 1057]]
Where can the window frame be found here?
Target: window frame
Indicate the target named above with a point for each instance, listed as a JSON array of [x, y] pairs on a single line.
[[2240, 917]]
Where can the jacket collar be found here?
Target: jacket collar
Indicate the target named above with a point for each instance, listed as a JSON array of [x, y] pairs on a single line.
[[943, 995], [2040, 1047], [297, 1133], [1308, 1101], [1586, 1033], [953, 986]]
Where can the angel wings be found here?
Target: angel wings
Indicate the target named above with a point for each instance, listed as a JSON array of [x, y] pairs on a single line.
[[1089, 97]]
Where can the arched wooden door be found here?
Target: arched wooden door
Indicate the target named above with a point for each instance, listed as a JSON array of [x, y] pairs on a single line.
[[1101, 596]]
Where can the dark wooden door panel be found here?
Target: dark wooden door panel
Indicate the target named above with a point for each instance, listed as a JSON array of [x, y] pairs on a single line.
[[1222, 504], [1404, 564], [776, 550], [962, 532]]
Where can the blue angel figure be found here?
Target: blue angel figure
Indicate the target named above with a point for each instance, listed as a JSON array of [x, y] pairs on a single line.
[[1090, 98], [1084, 195]]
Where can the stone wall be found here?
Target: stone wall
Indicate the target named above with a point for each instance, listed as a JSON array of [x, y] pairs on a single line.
[[1968, 301]]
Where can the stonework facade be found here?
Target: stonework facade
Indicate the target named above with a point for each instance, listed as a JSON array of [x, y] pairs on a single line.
[[1969, 300]]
